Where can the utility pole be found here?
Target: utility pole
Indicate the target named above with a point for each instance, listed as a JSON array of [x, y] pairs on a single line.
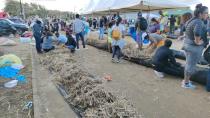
[[21, 10]]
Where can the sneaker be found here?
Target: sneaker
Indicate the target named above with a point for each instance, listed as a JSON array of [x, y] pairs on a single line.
[[188, 85], [85, 48], [77, 49], [118, 61], [159, 74], [113, 60]]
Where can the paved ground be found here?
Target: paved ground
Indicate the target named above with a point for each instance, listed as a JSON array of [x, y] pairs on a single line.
[[48, 103], [154, 97]]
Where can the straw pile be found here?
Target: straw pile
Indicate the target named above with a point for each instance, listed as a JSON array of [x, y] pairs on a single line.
[[130, 50], [85, 93]]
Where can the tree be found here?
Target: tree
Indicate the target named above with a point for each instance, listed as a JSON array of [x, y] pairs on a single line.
[[13, 8]]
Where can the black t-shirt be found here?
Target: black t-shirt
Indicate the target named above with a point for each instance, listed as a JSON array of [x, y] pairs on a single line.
[[163, 56], [101, 23], [172, 21]]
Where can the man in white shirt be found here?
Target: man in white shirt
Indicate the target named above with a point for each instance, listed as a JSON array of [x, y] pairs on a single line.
[[78, 29]]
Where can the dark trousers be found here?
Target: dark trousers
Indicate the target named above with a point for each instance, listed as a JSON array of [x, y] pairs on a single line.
[[38, 43], [80, 36], [172, 28], [116, 51], [169, 69]]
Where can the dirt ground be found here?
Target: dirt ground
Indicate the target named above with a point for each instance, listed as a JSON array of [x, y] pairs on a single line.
[[12, 101], [154, 97]]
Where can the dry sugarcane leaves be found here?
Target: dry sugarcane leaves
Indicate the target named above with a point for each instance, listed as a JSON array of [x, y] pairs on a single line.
[[86, 93]]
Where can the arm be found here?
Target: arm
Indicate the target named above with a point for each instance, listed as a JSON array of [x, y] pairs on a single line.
[[197, 33]]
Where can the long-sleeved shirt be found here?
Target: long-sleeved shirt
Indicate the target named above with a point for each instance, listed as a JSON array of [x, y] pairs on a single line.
[[163, 56], [37, 29], [78, 26]]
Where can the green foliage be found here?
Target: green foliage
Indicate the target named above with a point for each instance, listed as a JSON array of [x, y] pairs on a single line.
[[13, 8]]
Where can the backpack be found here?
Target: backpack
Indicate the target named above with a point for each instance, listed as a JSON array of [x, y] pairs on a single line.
[[116, 33], [143, 24]]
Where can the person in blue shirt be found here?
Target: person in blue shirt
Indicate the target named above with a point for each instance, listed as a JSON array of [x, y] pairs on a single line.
[[47, 42], [62, 39]]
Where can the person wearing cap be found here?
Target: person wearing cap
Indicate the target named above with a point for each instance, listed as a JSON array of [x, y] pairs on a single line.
[[37, 32]]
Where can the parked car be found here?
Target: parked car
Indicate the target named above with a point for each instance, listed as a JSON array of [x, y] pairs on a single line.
[[17, 20], [20, 27], [6, 28]]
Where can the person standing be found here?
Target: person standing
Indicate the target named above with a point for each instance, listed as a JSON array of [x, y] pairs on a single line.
[[184, 18], [78, 29], [94, 23], [101, 28], [193, 43], [37, 32], [172, 24], [163, 22], [118, 34], [140, 27]]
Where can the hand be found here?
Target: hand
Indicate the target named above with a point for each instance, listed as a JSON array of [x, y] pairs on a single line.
[[199, 42]]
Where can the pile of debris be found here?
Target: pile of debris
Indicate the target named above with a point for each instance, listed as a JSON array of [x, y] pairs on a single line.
[[83, 92]]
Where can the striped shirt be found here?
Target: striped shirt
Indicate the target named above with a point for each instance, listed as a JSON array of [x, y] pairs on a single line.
[[78, 26]]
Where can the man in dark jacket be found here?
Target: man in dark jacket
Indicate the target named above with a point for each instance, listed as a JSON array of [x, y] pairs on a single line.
[[164, 61], [37, 32]]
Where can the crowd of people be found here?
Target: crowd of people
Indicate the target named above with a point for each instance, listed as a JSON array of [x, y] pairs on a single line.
[[193, 30]]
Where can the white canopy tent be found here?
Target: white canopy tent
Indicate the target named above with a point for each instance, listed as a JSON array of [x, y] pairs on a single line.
[[105, 6]]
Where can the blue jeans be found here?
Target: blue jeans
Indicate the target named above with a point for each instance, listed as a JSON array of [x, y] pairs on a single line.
[[101, 33], [38, 43], [80, 36], [116, 51]]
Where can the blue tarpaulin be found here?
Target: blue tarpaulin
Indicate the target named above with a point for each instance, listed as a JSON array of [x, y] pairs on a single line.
[[11, 73]]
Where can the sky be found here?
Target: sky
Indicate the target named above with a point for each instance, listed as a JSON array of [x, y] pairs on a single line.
[[62, 5], [69, 5]]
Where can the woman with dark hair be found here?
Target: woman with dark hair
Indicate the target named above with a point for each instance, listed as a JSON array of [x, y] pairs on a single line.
[[155, 26], [194, 43]]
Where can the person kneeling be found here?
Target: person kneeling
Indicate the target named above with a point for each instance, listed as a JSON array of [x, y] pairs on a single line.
[[47, 42], [164, 61], [71, 42]]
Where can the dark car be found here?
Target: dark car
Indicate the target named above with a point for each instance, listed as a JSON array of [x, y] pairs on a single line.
[[17, 20], [6, 28], [20, 27]]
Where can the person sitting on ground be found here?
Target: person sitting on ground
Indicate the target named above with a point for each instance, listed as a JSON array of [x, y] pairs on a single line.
[[164, 61], [62, 39], [155, 26], [47, 42]]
